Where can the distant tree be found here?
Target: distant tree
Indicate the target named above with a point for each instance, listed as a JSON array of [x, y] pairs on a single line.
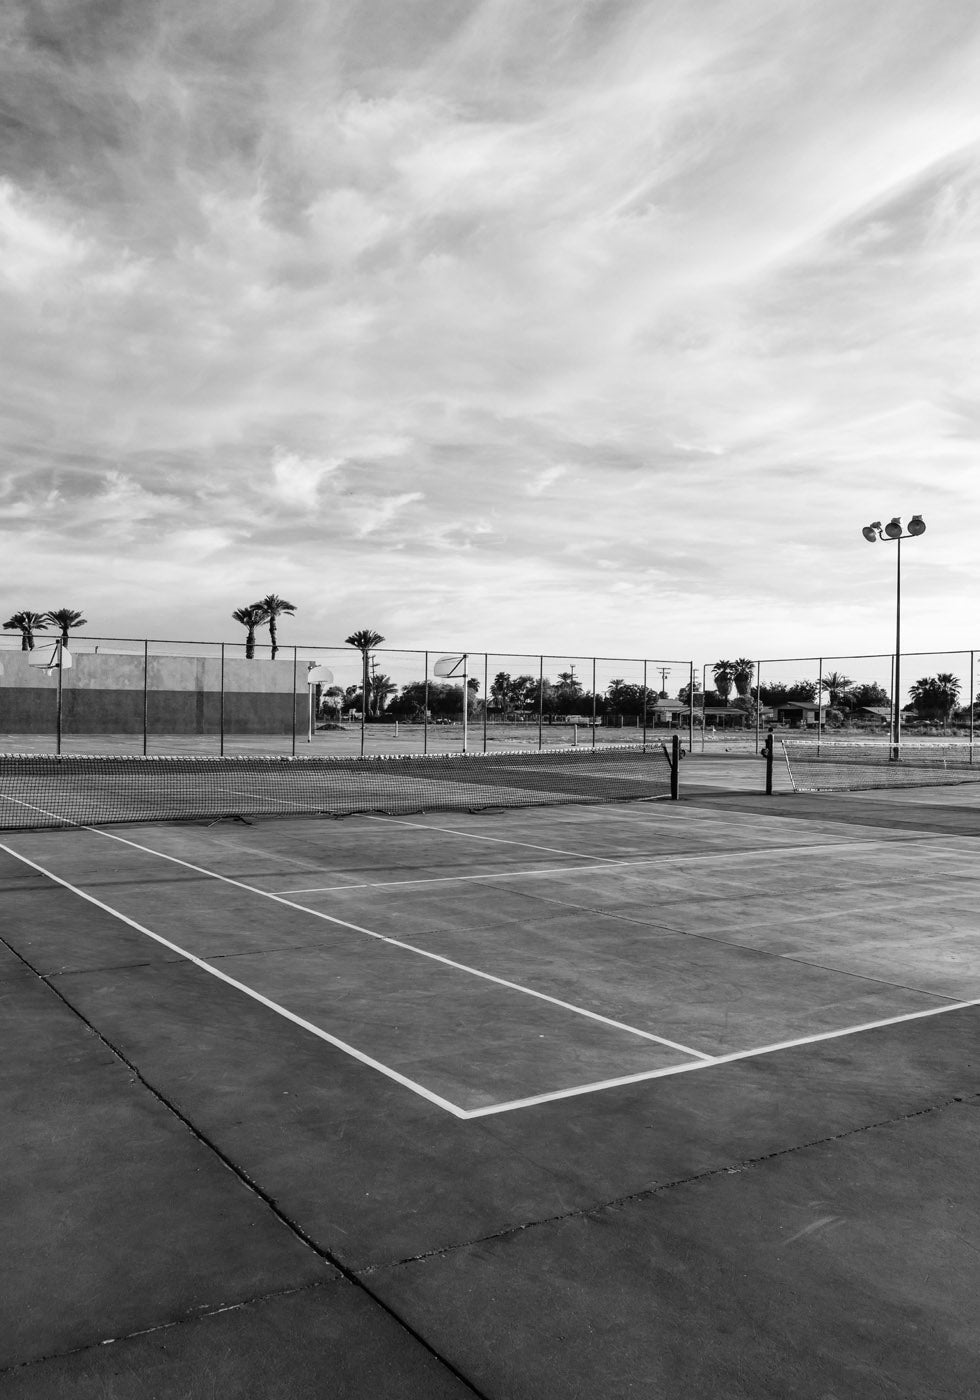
[[935, 697], [26, 623], [273, 606], [250, 617], [780, 692], [723, 672], [381, 687], [742, 672], [866, 695], [364, 640], [63, 619], [835, 685]]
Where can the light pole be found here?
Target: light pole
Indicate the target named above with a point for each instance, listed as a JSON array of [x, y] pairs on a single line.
[[893, 531]]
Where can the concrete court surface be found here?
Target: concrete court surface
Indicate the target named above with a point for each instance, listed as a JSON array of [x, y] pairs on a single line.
[[206, 1197]]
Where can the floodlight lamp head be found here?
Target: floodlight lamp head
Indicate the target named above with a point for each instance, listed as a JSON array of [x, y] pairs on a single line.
[[894, 528], [917, 526], [870, 533]]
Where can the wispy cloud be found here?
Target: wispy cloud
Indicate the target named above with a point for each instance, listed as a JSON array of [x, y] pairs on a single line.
[[495, 292]]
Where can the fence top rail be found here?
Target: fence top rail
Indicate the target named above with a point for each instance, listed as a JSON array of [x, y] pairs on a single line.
[[46, 638], [863, 655]]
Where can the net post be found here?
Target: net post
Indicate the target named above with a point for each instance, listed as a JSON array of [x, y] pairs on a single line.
[[293, 705], [221, 705], [593, 702], [146, 687], [675, 766], [540, 703], [768, 750]]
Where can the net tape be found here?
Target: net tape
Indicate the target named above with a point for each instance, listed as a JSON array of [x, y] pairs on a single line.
[[839, 766], [94, 790]]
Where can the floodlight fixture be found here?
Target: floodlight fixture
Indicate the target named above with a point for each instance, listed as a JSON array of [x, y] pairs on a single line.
[[893, 531]]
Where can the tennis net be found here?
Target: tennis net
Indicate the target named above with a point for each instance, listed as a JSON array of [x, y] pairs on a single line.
[[840, 766], [86, 790]]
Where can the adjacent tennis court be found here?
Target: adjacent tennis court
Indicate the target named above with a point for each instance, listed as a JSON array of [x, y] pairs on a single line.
[[510, 1101]]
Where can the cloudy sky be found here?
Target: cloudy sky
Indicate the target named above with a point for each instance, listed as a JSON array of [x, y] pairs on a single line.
[[561, 325]]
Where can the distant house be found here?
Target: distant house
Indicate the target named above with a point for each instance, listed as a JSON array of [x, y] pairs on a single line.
[[878, 714], [677, 713], [800, 714]]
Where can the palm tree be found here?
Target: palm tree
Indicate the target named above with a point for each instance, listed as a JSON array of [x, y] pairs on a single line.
[[63, 619], [949, 688], [835, 684], [26, 623], [273, 606], [251, 617], [381, 687], [724, 673], [364, 640], [742, 672]]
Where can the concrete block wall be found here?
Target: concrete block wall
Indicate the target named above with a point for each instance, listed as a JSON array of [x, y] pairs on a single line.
[[103, 693]]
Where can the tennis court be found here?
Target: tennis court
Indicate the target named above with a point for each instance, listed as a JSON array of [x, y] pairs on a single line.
[[577, 1098]]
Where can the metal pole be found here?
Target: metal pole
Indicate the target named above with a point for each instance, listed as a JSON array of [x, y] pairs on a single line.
[[819, 703], [897, 727], [486, 697], [758, 705], [466, 701], [704, 702], [675, 766], [540, 703], [293, 706], [221, 705], [971, 705], [364, 695], [690, 709], [425, 708], [146, 667], [645, 703], [593, 704], [58, 648]]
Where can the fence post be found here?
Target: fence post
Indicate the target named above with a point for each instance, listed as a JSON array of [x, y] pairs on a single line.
[[819, 704], [540, 703], [675, 766], [645, 702], [146, 685], [486, 697], [971, 706], [61, 689], [690, 709], [593, 704], [221, 705], [293, 705]]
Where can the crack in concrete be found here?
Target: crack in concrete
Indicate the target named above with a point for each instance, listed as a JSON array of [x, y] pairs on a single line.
[[346, 1273], [648, 1192]]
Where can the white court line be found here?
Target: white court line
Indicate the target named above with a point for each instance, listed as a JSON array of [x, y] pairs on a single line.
[[579, 1089], [384, 938], [242, 987]]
